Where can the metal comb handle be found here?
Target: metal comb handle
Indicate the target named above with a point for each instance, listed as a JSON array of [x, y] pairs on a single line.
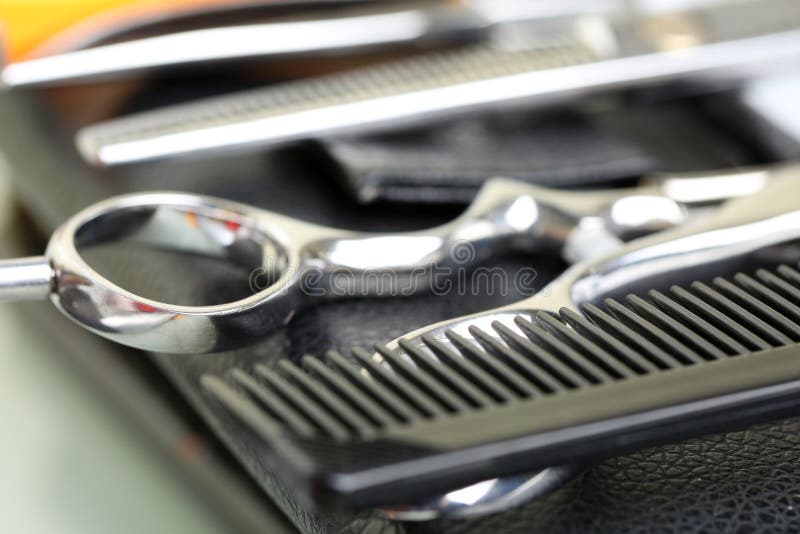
[[301, 261]]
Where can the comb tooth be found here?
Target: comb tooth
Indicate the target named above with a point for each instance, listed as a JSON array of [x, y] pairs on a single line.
[[422, 380], [734, 329], [538, 381], [602, 359], [492, 365], [326, 401], [560, 350], [779, 284], [376, 413], [747, 319], [408, 391], [697, 323], [471, 393], [366, 382], [770, 314], [469, 369], [658, 357], [672, 326], [243, 407], [679, 352], [474, 353], [790, 274], [311, 410], [773, 297], [285, 412], [542, 358], [515, 359], [622, 352]]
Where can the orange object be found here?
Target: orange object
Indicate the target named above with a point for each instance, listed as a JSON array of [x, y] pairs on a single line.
[[35, 27]]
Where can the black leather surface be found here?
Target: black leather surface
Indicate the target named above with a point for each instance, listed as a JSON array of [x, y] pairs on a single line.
[[738, 482]]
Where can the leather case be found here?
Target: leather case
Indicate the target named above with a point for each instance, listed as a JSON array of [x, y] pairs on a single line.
[[447, 163]]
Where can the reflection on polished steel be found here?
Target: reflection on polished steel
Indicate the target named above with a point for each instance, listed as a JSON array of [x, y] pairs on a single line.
[[299, 260], [707, 43], [26, 278], [487, 497]]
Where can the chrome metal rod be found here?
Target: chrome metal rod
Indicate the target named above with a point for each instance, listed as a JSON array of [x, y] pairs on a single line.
[[26, 278]]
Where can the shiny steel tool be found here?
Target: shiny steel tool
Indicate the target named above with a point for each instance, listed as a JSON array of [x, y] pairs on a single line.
[[737, 229], [713, 44], [296, 261], [682, 333], [357, 29]]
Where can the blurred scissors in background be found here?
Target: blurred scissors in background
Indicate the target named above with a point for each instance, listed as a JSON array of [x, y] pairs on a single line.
[[692, 47], [356, 27]]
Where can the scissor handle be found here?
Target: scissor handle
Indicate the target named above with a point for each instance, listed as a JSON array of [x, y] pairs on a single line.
[[291, 261], [185, 223]]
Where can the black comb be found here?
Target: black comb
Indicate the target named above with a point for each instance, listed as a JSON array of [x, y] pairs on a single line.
[[361, 429]]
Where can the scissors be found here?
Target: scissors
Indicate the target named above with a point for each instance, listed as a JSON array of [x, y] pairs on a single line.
[[298, 262], [711, 45], [337, 31]]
